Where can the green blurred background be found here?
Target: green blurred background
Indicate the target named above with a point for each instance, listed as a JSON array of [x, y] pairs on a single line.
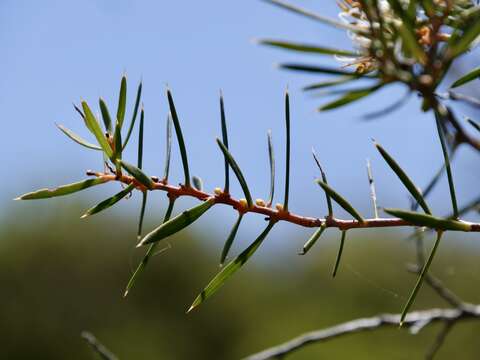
[[61, 275]]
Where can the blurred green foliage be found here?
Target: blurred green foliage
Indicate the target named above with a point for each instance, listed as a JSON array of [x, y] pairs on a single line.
[[61, 275]]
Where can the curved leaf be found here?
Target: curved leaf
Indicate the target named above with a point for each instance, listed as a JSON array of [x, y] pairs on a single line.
[[339, 254], [313, 239], [340, 200], [77, 138], [94, 127], [429, 221], [472, 75]]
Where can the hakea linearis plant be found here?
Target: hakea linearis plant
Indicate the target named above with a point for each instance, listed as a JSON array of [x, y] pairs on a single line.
[[111, 146], [411, 42]]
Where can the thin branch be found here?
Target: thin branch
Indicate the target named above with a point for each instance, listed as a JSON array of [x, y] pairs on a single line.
[[97, 347], [373, 193], [440, 340], [425, 317], [278, 215]]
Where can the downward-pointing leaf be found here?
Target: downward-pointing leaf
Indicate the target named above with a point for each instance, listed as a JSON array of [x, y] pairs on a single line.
[[178, 223], [418, 285], [77, 138], [230, 268], [472, 75], [231, 237], [340, 200], [62, 190], [430, 221], [138, 174], [94, 127], [109, 202], [237, 171], [402, 175], [313, 239], [339, 254]]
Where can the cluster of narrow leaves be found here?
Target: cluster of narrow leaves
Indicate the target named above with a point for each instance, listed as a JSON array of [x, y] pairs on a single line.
[[413, 42], [109, 142]]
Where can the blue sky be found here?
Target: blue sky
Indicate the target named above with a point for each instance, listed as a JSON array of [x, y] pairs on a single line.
[[58, 52]]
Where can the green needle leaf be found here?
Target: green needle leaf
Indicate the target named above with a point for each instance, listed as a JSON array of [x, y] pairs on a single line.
[[402, 175], [340, 200], [271, 158], [107, 120], [306, 48], [463, 43], [178, 223], [313, 239], [324, 179], [324, 84], [472, 75], [237, 171], [109, 202], [424, 271], [339, 254], [287, 150], [350, 97], [181, 142], [149, 253], [62, 190], [319, 70], [77, 138], [225, 141], [441, 135], [134, 116], [122, 101], [474, 124], [94, 127], [429, 221], [232, 267], [142, 214], [138, 174], [140, 140], [168, 150], [231, 237]]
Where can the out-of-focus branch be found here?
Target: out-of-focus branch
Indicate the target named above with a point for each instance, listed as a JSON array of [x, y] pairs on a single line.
[[424, 318], [97, 347]]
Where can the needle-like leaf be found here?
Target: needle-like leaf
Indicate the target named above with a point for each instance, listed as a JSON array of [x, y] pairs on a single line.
[[122, 101], [225, 142], [474, 124], [429, 221], [134, 116], [168, 148], [339, 254], [109, 202], [340, 200], [319, 69], [307, 48], [142, 214], [178, 223], [424, 271], [107, 120], [324, 84], [313, 239], [324, 179], [287, 151], [149, 253], [94, 127], [350, 97], [181, 142], [470, 76], [138, 174], [140, 140], [62, 190], [237, 171], [441, 134], [229, 269], [271, 158], [402, 175], [231, 237], [77, 138]]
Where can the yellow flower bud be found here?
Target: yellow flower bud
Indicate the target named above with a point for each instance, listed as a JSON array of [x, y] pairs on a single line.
[[260, 202]]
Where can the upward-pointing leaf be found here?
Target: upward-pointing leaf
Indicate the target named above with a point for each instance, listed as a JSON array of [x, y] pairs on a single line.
[[62, 190], [134, 116], [472, 75], [181, 142], [237, 171], [94, 127], [122, 101], [107, 120], [230, 268], [223, 121], [340, 200], [271, 158], [287, 151], [168, 149], [178, 223], [402, 175], [77, 138]]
